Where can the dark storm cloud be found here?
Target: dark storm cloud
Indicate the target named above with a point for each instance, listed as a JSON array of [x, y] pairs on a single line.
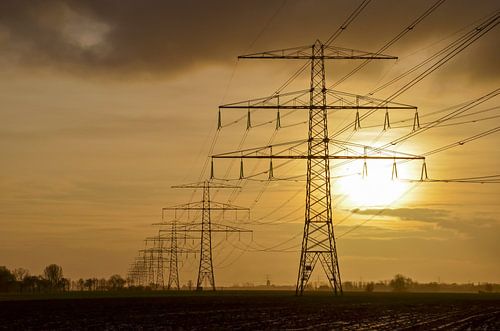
[[167, 37]]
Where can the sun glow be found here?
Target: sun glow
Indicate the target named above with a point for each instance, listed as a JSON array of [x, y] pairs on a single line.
[[375, 189]]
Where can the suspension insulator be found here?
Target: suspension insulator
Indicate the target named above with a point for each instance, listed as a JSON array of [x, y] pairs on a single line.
[[249, 122], [271, 175], [394, 171], [278, 119], [357, 122], [423, 174], [212, 168], [241, 169], [365, 170], [219, 121], [416, 121], [387, 122]]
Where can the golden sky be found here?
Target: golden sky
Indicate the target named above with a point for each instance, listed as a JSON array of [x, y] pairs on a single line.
[[105, 105]]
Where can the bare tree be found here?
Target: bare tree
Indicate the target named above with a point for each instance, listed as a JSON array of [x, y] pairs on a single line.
[[54, 274], [20, 273], [116, 282], [400, 283]]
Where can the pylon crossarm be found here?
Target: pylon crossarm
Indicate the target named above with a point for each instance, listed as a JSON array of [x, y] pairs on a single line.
[[293, 52], [319, 157], [199, 206], [264, 150], [227, 228], [152, 250], [211, 208], [164, 250], [205, 184], [179, 237], [185, 206], [177, 225], [329, 52], [281, 100], [357, 101], [225, 206], [164, 238], [336, 100], [333, 52], [365, 149]]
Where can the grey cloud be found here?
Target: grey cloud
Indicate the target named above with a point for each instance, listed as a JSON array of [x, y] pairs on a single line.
[[118, 38], [416, 214], [474, 225]]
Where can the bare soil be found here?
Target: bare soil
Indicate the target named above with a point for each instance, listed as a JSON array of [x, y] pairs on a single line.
[[253, 310]]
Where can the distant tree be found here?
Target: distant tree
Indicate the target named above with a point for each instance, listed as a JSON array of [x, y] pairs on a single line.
[[102, 284], [349, 286], [31, 283], [130, 282], [64, 284], [400, 283], [369, 287], [81, 284], [434, 286], [190, 284], [20, 273], [43, 284], [116, 282], [488, 287], [89, 284], [54, 274], [7, 279]]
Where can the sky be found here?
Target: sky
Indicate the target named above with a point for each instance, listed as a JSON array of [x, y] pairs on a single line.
[[104, 105]]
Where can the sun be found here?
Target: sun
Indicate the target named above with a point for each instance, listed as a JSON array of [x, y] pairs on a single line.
[[376, 189]]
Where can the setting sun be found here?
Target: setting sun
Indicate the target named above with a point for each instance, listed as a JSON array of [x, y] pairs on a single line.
[[375, 189]]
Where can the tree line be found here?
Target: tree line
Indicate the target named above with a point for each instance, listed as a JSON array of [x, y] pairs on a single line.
[[401, 283], [53, 280]]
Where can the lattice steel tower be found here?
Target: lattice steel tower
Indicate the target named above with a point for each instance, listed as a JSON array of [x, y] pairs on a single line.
[[206, 227], [318, 243]]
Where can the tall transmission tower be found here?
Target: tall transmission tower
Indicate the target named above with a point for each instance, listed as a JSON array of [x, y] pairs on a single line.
[[173, 268], [318, 243], [205, 227]]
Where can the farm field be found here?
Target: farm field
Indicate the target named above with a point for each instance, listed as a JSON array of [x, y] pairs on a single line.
[[251, 310]]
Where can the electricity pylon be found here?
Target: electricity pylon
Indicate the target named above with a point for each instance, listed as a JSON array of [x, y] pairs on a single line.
[[149, 268], [205, 227], [318, 241]]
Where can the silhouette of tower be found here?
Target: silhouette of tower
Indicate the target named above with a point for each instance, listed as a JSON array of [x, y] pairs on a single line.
[[173, 269], [205, 227], [318, 243]]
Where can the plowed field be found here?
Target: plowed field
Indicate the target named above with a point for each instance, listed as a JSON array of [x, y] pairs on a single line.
[[256, 311]]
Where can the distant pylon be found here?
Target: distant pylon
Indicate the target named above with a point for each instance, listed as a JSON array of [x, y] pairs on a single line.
[[206, 268], [160, 282], [173, 270], [206, 227]]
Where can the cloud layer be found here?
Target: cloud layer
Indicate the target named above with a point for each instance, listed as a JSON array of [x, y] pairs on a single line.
[[167, 37]]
